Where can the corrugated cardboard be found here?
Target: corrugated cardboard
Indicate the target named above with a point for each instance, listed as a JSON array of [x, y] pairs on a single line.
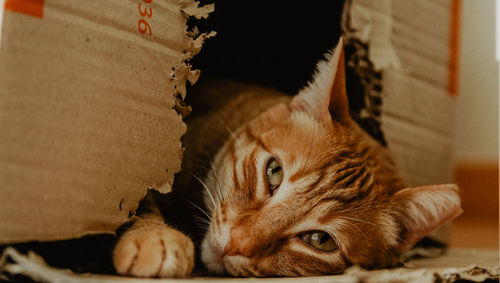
[[410, 41], [414, 43], [418, 108], [87, 90]]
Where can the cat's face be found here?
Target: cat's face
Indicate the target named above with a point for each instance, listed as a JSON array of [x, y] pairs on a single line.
[[301, 190]]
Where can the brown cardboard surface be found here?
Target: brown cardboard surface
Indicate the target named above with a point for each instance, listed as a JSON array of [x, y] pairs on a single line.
[[417, 110], [86, 112], [454, 266], [412, 41], [418, 123]]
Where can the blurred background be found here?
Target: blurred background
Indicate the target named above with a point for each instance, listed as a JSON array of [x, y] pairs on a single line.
[[476, 142]]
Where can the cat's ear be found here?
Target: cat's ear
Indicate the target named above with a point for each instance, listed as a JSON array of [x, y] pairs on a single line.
[[325, 96], [424, 209]]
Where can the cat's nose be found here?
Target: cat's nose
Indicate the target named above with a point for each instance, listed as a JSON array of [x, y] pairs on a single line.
[[239, 244], [231, 249]]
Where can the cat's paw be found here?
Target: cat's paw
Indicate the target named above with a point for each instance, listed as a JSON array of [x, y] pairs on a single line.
[[159, 252]]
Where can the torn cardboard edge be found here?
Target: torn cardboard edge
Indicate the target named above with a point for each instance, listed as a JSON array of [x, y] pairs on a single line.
[[122, 96], [371, 23], [13, 263], [181, 74], [192, 9]]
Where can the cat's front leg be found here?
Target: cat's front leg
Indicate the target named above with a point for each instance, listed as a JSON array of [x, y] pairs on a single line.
[[150, 248]]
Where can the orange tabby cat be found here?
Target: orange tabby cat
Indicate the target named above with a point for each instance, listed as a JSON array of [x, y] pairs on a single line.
[[292, 187]]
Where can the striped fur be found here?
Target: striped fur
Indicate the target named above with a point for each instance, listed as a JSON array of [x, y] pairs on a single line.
[[337, 179]]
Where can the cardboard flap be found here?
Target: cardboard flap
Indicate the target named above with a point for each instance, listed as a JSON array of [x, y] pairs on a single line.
[[86, 98]]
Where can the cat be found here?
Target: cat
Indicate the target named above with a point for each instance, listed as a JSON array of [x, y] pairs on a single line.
[[288, 186]]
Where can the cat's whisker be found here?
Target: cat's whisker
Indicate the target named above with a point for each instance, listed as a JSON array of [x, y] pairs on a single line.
[[231, 133], [205, 187], [359, 220], [205, 228], [219, 189], [216, 177], [216, 186], [199, 208], [356, 208], [201, 220], [215, 191], [201, 225], [361, 231]]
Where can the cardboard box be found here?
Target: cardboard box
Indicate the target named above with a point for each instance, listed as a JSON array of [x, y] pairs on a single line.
[[87, 110], [415, 45]]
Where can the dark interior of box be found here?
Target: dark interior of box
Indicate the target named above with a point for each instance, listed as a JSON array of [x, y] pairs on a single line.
[[278, 43], [271, 43]]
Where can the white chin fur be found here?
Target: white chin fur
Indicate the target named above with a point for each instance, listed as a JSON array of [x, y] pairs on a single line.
[[209, 257]]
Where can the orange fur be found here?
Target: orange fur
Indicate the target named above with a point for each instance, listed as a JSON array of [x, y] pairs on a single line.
[[336, 179]]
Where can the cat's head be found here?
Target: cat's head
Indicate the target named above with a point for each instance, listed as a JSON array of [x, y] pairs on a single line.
[[302, 190]]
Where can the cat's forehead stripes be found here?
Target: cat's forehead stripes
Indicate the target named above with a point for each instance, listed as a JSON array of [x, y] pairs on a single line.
[[245, 175], [311, 167], [252, 137]]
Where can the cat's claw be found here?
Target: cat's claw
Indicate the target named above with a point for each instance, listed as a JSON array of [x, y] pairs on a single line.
[[159, 252]]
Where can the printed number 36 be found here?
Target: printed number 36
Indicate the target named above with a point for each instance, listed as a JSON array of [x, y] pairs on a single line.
[[143, 24]]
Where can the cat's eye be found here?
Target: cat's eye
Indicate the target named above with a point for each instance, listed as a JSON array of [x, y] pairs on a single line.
[[274, 174], [319, 240]]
